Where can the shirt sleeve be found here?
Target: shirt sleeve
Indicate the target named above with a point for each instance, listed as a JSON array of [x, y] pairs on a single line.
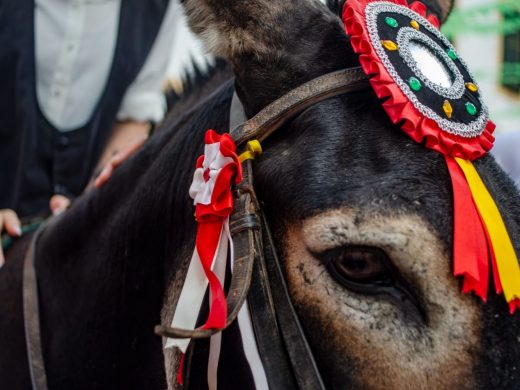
[[144, 99]]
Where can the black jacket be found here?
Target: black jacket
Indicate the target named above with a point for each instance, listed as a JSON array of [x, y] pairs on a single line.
[[36, 160]]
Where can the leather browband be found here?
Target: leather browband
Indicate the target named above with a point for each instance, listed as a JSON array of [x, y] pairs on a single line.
[[269, 119]]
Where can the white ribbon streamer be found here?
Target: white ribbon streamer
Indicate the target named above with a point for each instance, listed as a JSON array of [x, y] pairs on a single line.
[[192, 294], [251, 349], [189, 306], [245, 327], [216, 340]]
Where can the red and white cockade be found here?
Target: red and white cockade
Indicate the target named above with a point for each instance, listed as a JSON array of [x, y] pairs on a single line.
[[215, 174], [216, 171]]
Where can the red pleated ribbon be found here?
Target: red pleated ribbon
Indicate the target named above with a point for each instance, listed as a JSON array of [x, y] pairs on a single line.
[[180, 371], [473, 248], [208, 238], [470, 243]]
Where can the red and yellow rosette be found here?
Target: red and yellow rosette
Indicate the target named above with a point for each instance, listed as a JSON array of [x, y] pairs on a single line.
[[481, 240]]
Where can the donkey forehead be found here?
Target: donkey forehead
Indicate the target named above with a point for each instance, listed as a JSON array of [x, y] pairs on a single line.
[[345, 152]]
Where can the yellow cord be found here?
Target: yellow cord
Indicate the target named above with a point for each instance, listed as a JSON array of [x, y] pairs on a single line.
[[253, 149]]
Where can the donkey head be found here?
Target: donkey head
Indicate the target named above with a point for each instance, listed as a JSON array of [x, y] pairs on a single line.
[[362, 214]]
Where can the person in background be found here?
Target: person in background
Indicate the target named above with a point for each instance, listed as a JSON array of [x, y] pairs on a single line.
[[507, 154], [80, 87]]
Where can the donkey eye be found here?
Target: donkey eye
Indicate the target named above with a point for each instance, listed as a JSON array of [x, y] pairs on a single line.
[[369, 270], [357, 264]]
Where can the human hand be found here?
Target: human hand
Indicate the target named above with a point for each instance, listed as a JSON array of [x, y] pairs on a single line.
[[116, 160], [9, 222], [58, 204]]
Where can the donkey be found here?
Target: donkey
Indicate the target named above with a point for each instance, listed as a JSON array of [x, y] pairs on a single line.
[[340, 185]]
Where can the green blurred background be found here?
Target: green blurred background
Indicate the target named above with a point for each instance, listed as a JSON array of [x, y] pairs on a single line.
[[486, 33]]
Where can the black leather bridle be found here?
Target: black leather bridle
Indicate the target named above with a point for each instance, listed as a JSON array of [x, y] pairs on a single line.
[[257, 274]]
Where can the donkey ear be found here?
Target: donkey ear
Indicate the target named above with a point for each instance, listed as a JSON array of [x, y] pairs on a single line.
[[230, 28], [273, 45]]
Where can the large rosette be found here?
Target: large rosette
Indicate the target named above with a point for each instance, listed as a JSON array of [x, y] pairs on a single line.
[[398, 105], [431, 94]]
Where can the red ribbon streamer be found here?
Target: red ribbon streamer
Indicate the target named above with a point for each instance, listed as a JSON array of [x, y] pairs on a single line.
[[180, 371], [470, 243], [208, 238]]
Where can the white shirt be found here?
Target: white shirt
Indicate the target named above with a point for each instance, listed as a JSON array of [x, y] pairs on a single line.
[[75, 43]]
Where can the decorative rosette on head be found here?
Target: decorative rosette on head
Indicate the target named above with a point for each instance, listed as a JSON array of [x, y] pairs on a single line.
[[431, 94]]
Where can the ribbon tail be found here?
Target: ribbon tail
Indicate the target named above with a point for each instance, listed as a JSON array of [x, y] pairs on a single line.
[[230, 240], [503, 250], [190, 302], [216, 339], [208, 234], [496, 277], [513, 305], [470, 249], [245, 325], [180, 372], [194, 288]]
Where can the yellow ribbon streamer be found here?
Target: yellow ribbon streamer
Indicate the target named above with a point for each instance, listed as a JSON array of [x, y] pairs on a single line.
[[253, 149], [505, 255]]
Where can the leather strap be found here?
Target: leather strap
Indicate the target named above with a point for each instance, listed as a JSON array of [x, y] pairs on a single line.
[[285, 353], [260, 127], [300, 355], [31, 314], [295, 101], [269, 341]]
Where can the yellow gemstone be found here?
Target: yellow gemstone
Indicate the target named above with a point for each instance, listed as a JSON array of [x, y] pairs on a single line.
[[472, 87], [448, 109], [414, 24], [389, 45]]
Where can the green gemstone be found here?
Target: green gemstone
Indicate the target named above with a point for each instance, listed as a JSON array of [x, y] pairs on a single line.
[[391, 22], [452, 54], [414, 83], [471, 109]]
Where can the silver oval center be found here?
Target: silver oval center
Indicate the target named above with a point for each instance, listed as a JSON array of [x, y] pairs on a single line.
[[432, 67]]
